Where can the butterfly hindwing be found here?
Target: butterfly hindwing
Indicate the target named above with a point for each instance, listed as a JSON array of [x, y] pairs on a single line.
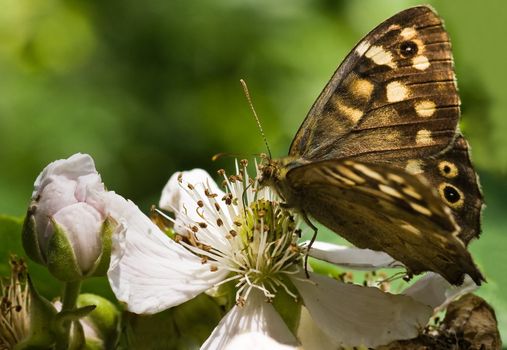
[[383, 208], [393, 98], [452, 175]]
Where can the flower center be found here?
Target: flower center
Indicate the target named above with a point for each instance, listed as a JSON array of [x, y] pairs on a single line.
[[245, 231], [268, 249]]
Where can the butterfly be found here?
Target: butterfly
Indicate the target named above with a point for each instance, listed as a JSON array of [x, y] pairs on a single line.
[[379, 158]]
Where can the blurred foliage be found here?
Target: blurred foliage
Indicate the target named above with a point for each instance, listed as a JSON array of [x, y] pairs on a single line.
[[148, 89]]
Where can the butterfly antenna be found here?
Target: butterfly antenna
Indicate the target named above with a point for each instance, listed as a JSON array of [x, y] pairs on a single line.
[[247, 94]]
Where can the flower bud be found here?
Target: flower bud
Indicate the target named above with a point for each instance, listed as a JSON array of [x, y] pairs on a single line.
[[101, 326], [66, 227]]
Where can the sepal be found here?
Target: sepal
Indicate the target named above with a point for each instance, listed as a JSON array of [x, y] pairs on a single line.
[[29, 236], [102, 264], [61, 260]]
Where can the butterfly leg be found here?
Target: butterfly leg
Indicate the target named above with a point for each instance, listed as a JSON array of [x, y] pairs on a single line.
[[312, 240]]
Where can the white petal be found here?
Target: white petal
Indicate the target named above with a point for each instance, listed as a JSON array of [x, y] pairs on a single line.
[[433, 290], [175, 195], [256, 341], [58, 194], [256, 316], [310, 334], [182, 201], [149, 271], [353, 315], [87, 183], [83, 225], [76, 165], [354, 258]]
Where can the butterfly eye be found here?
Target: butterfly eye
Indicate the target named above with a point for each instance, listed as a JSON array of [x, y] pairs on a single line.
[[452, 196], [408, 49]]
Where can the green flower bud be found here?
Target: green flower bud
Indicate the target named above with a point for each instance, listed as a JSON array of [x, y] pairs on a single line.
[[101, 326]]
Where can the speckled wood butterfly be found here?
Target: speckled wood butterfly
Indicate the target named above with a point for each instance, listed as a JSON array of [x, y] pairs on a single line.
[[379, 159]]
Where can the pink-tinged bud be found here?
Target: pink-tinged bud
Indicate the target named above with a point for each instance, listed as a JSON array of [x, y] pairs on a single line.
[[67, 228]]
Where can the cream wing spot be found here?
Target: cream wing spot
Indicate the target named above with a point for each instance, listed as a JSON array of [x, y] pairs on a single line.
[[420, 62], [410, 191], [396, 91], [362, 48], [414, 166], [390, 191], [425, 108], [353, 114], [410, 228], [408, 33], [396, 178], [420, 209], [393, 27], [350, 174], [380, 56], [361, 88], [368, 172], [423, 137]]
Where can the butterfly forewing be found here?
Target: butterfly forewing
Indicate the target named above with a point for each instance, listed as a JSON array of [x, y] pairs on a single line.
[[393, 98]]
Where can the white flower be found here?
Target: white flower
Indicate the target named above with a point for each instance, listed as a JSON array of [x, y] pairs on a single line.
[[65, 202], [244, 235]]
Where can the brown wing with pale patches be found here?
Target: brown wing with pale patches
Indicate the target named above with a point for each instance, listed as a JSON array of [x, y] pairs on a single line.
[[383, 208], [393, 98], [452, 175]]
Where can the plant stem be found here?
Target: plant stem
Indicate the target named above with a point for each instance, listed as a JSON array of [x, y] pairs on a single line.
[[70, 294]]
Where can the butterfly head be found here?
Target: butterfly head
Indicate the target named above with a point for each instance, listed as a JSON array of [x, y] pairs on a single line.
[[273, 171], [269, 172]]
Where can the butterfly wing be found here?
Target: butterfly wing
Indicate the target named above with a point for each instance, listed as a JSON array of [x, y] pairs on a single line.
[[383, 208], [394, 101], [452, 175], [394, 97]]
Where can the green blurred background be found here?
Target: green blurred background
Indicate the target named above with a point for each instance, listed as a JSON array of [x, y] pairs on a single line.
[[149, 88]]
